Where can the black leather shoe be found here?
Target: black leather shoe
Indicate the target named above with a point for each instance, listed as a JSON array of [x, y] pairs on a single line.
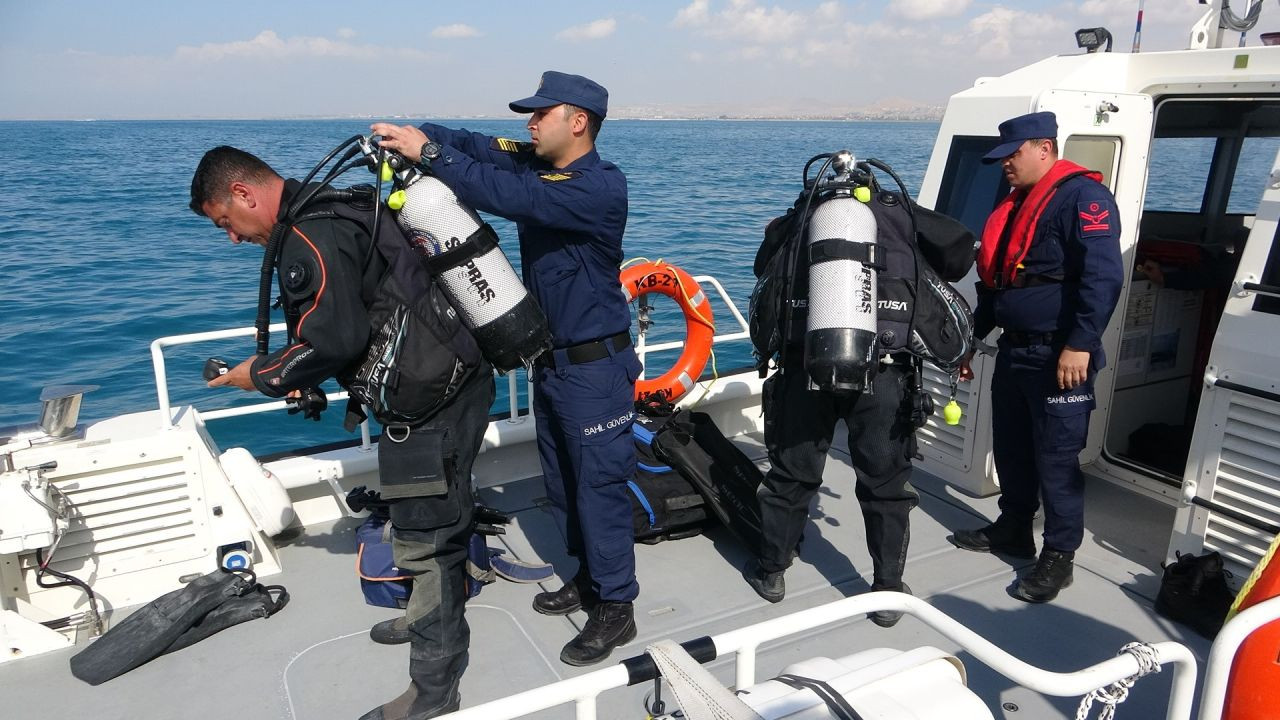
[[888, 618], [609, 625], [1051, 574], [561, 602], [768, 585], [997, 537]]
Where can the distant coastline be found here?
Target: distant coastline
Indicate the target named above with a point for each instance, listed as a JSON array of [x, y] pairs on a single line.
[[852, 117]]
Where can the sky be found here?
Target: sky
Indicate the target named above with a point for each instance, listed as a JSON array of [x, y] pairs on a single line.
[[75, 59]]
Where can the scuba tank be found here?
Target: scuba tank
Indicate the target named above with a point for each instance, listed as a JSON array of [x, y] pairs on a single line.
[[840, 340], [462, 253]]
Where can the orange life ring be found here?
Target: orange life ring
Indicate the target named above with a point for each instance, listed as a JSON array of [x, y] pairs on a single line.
[[700, 328], [1255, 674]]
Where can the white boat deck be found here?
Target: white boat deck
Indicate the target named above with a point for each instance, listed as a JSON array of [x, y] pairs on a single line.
[[315, 660]]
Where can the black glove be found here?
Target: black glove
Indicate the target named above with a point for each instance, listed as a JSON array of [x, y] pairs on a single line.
[[310, 403]]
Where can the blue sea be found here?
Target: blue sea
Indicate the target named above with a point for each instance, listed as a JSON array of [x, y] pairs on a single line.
[[101, 255]]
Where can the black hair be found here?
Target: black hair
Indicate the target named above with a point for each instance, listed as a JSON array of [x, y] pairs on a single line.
[[219, 168], [1053, 141], [594, 121]]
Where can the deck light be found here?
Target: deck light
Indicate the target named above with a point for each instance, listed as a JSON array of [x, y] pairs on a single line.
[[1092, 38]]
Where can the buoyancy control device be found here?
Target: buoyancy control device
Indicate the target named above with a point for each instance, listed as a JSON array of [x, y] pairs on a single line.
[[805, 270], [420, 353], [462, 253]]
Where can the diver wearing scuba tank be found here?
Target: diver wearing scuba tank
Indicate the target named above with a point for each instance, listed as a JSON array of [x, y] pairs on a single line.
[[882, 314], [337, 291]]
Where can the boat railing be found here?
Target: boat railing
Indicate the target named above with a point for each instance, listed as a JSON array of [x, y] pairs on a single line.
[[167, 416], [744, 644]]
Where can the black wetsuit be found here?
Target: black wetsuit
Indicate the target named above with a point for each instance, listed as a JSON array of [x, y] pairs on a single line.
[[326, 286]]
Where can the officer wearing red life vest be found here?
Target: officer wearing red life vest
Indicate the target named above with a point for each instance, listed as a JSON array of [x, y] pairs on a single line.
[[1050, 275]]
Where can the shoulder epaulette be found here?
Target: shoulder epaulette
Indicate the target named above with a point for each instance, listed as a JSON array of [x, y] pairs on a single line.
[[559, 176], [508, 145]]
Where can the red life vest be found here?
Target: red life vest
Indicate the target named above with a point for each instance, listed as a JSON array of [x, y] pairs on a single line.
[[1033, 203]]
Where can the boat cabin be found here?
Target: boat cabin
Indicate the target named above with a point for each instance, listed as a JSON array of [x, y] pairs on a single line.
[[1188, 404]]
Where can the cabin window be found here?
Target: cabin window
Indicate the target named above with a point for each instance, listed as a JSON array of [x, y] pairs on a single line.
[[1252, 173], [971, 188], [1178, 174], [1095, 153]]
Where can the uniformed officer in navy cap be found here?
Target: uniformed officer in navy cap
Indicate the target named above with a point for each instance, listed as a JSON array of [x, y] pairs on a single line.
[[570, 208], [1050, 275]]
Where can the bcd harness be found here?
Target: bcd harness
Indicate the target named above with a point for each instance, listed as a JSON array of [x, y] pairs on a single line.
[[917, 251], [418, 354]]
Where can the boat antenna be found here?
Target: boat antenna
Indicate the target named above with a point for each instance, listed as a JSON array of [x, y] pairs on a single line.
[[1137, 30]]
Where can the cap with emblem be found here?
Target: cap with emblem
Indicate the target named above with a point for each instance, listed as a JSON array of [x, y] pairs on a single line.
[[1015, 131], [557, 87]]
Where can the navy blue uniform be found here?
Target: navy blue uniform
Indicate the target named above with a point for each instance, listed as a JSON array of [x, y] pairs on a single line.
[[1039, 430], [570, 221]]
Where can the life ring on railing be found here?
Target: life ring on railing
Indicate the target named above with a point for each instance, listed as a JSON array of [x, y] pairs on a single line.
[[1254, 675], [700, 328]]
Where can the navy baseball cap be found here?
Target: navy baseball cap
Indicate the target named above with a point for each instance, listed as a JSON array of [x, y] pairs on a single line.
[[557, 87], [1016, 131]]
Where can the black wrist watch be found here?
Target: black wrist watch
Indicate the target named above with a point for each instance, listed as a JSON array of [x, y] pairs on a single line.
[[430, 151]]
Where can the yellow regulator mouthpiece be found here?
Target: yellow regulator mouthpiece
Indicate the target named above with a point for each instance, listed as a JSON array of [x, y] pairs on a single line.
[[395, 200], [952, 413], [862, 193], [387, 172]]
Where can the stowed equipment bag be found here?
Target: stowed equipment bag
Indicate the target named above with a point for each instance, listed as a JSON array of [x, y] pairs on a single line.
[[419, 354], [664, 504], [726, 478], [919, 252], [1194, 591], [177, 619]]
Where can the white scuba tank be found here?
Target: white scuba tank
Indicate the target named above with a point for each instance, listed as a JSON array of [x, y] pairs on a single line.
[[462, 253], [840, 340]]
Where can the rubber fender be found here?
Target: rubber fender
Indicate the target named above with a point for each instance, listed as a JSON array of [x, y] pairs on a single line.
[[259, 489]]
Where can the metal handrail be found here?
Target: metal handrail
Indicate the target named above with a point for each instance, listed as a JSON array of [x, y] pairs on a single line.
[[166, 412], [744, 643]]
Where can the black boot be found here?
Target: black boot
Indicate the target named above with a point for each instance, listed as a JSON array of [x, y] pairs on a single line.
[[1052, 573], [1002, 536], [609, 625], [768, 585], [433, 691], [567, 599], [888, 618], [391, 632]]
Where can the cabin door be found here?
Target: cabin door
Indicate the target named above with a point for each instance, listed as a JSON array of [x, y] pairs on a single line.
[[1231, 487]]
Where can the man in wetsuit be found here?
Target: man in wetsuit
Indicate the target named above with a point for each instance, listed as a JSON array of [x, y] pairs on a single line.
[[1051, 274], [326, 285], [570, 208]]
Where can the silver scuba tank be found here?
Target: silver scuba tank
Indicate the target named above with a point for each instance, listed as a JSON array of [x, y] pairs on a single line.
[[840, 340], [462, 253]]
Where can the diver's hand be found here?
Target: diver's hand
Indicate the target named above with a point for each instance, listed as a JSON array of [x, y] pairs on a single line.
[[237, 376], [966, 372], [404, 139]]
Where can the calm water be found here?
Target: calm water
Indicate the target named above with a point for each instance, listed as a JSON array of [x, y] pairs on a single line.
[[101, 255]]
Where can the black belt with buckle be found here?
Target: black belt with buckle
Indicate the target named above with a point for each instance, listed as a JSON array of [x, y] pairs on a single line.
[[586, 352], [1016, 338]]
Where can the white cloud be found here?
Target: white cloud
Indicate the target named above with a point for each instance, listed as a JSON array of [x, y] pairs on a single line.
[[589, 31], [928, 9], [1000, 29], [457, 30], [267, 44], [747, 22], [346, 33]]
